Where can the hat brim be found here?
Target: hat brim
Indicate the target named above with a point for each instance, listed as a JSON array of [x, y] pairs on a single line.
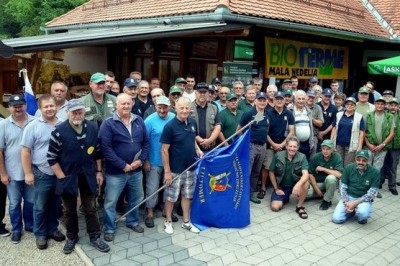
[[76, 108], [16, 103]]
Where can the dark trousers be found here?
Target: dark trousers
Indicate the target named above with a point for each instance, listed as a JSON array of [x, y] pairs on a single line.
[[3, 198], [88, 207], [305, 149]]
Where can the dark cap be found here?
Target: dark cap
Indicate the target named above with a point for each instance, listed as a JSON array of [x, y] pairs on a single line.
[[16, 100], [231, 96], [286, 81], [211, 88], [388, 92], [130, 83], [75, 104], [313, 79], [311, 93], [215, 81], [327, 92], [201, 86], [180, 80], [279, 94], [261, 94], [288, 92]]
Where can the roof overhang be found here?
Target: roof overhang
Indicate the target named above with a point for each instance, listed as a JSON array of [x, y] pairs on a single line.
[[101, 36], [5, 50]]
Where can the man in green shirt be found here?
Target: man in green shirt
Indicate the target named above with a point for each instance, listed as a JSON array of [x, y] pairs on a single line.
[[247, 103], [326, 168], [230, 118], [358, 188]]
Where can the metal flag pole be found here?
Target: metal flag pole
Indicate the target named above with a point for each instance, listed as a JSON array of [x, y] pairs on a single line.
[[258, 117]]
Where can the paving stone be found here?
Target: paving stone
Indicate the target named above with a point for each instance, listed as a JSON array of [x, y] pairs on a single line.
[[206, 257], [121, 237], [166, 260], [208, 245], [192, 262], [137, 250], [142, 258], [102, 260], [150, 246], [127, 244], [195, 250], [180, 255], [219, 251], [215, 262], [228, 258], [158, 253], [125, 262]]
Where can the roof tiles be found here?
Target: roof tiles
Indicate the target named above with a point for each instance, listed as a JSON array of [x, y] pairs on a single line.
[[390, 11]]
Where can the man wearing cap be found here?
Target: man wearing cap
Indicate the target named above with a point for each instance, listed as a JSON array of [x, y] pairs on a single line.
[[325, 170], [312, 81], [75, 158], [348, 132], [258, 139], [207, 118], [379, 133], [317, 116], [288, 98], [59, 91], [393, 153], [388, 96], [247, 103], [155, 93], [363, 106], [153, 166], [286, 84], [271, 89], [217, 83], [221, 102], [11, 171], [35, 144], [230, 118], [329, 112], [212, 94], [257, 83], [175, 93], [125, 147], [131, 88], [358, 187], [181, 82], [188, 91], [98, 104], [143, 100]]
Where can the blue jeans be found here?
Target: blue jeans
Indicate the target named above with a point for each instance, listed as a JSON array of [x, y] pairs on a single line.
[[362, 211], [153, 178], [114, 187], [16, 191], [46, 205]]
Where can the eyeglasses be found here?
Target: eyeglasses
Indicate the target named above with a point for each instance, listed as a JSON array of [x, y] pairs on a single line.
[[101, 83], [176, 94]]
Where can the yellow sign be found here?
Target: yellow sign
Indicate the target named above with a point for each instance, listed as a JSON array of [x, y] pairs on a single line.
[[286, 58]]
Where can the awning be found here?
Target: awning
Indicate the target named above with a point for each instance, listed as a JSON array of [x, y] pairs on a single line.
[[5, 50], [107, 36]]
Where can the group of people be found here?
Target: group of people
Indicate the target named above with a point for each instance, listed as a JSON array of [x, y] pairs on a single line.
[[120, 146]]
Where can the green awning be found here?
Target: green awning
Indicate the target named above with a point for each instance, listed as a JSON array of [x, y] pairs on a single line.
[[389, 66]]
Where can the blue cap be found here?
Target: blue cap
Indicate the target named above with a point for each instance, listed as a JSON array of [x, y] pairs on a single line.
[[279, 94], [261, 94], [130, 83], [311, 93], [215, 81], [327, 92], [313, 79]]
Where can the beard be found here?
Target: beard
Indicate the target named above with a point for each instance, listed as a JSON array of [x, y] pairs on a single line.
[[77, 122]]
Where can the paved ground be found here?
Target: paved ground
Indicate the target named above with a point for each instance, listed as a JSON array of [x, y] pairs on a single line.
[[271, 239]]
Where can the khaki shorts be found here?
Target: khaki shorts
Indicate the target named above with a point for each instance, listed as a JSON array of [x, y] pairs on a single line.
[[268, 158]]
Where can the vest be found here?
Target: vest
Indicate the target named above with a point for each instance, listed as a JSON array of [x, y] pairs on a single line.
[[92, 113], [396, 138], [281, 166], [211, 112], [370, 128], [355, 130], [312, 133]]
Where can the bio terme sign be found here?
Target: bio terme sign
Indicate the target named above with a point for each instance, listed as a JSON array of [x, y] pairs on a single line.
[[286, 58]]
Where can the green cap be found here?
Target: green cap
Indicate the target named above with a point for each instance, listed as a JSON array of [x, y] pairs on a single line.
[[363, 153], [381, 99], [180, 80], [394, 100], [286, 81], [350, 99], [175, 89], [98, 77], [363, 90], [327, 143], [231, 96], [288, 92]]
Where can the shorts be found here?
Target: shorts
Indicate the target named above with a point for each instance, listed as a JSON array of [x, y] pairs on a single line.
[[285, 198], [184, 184], [268, 158]]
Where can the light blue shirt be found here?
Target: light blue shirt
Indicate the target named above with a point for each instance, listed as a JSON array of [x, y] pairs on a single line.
[[36, 137], [154, 127], [219, 105], [10, 142], [61, 113]]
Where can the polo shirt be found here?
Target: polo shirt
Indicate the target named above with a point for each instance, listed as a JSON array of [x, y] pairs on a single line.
[[181, 138], [219, 105], [229, 122], [334, 163], [142, 106], [61, 112], [344, 129], [244, 105], [202, 113], [329, 116], [279, 124], [259, 130], [359, 184]]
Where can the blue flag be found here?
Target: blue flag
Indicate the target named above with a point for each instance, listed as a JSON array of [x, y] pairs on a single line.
[[222, 195], [31, 105]]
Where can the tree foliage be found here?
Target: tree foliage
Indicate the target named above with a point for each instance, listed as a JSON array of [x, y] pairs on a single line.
[[24, 18]]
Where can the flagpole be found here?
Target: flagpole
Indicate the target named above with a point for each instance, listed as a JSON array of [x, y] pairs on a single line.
[[258, 117]]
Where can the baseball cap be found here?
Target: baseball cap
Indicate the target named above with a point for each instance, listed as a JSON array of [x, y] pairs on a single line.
[[211, 88], [202, 86], [286, 81], [327, 143], [180, 80], [130, 83], [261, 94], [350, 99], [311, 93], [388, 92], [381, 99], [216, 80], [74, 105], [394, 100], [288, 92], [327, 92], [98, 77], [363, 153], [163, 100], [231, 96], [313, 79], [279, 94], [175, 89], [16, 100], [363, 90]]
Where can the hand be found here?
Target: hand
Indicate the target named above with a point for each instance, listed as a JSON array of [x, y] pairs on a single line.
[[146, 166], [168, 178], [276, 147], [135, 164], [199, 153], [296, 191], [350, 206], [319, 192], [5, 179], [29, 179], [206, 143], [279, 192], [320, 136], [127, 168], [320, 169], [99, 178]]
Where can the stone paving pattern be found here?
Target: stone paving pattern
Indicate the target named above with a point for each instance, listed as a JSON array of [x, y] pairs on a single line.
[[281, 238]]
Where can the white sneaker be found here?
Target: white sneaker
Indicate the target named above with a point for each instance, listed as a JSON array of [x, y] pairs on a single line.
[[168, 228], [189, 226]]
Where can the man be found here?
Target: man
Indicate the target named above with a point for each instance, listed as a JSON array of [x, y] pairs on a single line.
[[371, 87], [181, 82], [59, 91], [110, 80], [334, 86], [154, 83], [281, 128], [388, 96], [115, 89], [295, 83], [189, 88], [286, 84], [178, 151], [392, 155], [75, 158], [258, 139], [136, 75], [11, 171], [221, 102], [153, 165], [288, 98], [212, 94], [230, 118], [175, 93], [317, 117], [247, 103], [38, 174], [339, 101], [329, 112], [363, 106], [98, 104], [312, 81], [125, 147], [155, 93], [288, 173], [379, 133], [325, 169], [143, 100], [206, 117], [257, 83], [271, 90], [358, 187], [217, 83], [238, 89]]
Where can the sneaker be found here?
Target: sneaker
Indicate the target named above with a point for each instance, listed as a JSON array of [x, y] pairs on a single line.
[[363, 221], [57, 236], [394, 191], [173, 217], [325, 205], [41, 243], [16, 238], [136, 228], [108, 237], [149, 222], [100, 245], [118, 216], [189, 226], [70, 245], [4, 232], [254, 199], [379, 195], [261, 194], [168, 228]]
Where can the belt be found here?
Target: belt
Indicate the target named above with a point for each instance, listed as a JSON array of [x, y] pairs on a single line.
[[258, 143]]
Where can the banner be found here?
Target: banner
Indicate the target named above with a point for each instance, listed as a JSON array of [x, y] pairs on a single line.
[[286, 58], [237, 71], [222, 195], [31, 105]]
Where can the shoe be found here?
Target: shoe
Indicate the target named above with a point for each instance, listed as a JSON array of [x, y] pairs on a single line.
[[136, 228], [379, 195], [16, 238], [325, 205], [173, 217], [261, 194], [57, 236], [41, 243], [168, 228], [398, 183], [189, 226], [254, 199], [70, 245], [4, 232], [100, 245], [363, 221], [108, 237], [394, 191], [149, 222]]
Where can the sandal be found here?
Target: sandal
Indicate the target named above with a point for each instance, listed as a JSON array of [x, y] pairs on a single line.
[[302, 212], [261, 194]]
